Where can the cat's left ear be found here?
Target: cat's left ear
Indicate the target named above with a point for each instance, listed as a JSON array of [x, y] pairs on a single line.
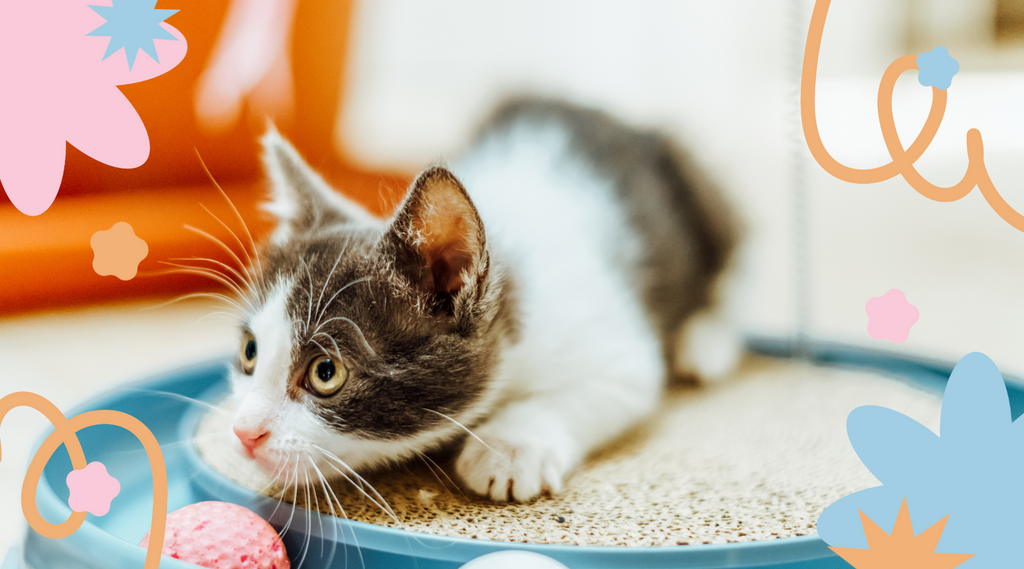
[[437, 238], [300, 199]]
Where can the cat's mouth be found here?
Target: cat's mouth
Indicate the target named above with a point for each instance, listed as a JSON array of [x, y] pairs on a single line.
[[285, 465]]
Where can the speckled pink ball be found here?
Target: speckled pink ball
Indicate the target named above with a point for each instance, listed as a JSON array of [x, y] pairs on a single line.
[[219, 535]]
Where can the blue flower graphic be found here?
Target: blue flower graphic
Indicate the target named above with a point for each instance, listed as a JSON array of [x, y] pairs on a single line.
[[936, 68], [972, 472]]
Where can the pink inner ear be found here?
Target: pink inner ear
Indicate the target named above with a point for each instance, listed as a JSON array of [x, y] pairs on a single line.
[[444, 270], [449, 230]]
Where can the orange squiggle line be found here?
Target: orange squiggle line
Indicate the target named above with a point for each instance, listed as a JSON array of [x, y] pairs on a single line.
[[902, 160], [65, 433]]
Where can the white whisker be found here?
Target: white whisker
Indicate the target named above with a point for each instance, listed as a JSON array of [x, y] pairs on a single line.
[[309, 302], [323, 349], [340, 290], [284, 488], [354, 325], [237, 240], [295, 498], [319, 517], [309, 523], [336, 348], [328, 281], [471, 433], [273, 478], [242, 278], [216, 242], [425, 459], [183, 398], [383, 504], [330, 497], [206, 272], [345, 516], [214, 295], [255, 250]]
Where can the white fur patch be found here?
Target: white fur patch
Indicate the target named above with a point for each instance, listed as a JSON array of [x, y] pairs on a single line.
[[589, 361]]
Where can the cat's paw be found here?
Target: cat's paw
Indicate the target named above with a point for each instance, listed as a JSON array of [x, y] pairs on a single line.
[[514, 468], [710, 347]]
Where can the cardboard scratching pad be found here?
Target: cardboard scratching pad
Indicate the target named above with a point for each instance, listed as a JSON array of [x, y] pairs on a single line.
[[755, 457]]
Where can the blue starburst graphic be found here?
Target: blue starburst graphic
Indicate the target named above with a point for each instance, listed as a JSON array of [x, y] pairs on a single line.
[[132, 25]]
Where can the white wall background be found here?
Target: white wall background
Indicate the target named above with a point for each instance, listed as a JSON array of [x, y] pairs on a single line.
[[716, 75]]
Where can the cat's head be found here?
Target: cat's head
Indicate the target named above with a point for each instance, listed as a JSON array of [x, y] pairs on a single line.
[[364, 341]]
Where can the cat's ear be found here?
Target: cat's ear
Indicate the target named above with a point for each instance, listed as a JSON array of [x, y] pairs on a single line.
[[300, 199], [437, 238]]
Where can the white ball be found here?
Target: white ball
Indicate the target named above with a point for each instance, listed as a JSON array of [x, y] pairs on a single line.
[[513, 559]]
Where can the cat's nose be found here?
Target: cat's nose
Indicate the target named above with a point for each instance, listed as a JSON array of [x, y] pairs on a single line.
[[250, 438]]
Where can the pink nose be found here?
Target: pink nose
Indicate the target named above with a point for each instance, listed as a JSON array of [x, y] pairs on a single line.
[[250, 438]]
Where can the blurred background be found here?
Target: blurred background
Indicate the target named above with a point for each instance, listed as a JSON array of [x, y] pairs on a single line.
[[372, 91]]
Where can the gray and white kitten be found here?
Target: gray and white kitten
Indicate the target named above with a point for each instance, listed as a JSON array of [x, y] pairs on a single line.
[[537, 294]]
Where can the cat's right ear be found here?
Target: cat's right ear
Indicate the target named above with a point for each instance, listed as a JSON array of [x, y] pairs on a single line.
[[437, 240], [300, 199]]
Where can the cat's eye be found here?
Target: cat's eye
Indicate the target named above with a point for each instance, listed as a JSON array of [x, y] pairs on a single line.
[[247, 353], [325, 376]]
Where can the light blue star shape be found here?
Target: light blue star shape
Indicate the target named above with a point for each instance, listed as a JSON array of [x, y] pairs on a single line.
[[970, 473], [133, 25], [936, 68]]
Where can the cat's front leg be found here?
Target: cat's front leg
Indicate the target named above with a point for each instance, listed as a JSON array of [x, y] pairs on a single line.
[[529, 447], [519, 454]]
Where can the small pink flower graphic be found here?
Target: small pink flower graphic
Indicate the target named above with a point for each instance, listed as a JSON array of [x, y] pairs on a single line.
[[92, 489], [60, 86], [118, 252], [890, 316]]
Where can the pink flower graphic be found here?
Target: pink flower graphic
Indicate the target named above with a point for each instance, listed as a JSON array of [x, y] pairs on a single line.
[[890, 316], [92, 489], [59, 85]]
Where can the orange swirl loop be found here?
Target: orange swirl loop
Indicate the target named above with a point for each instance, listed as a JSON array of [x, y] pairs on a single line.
[[65, 433], [902, 160]]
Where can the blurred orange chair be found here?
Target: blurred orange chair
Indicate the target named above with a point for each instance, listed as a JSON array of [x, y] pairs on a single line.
[[46, 261]]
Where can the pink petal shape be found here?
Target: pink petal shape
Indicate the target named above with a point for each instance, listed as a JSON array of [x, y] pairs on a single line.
[[891, 316], [92, 489], [104, 125], [31, 167]]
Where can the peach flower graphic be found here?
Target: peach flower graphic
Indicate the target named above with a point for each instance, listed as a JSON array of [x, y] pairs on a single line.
[[92, 489], [118, 252], [60, 86]]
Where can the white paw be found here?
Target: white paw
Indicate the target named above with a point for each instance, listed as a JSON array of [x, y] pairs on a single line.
[[709, 347], [516, 467]]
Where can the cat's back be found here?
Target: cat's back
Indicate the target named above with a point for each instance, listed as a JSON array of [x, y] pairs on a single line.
[[583, 202]]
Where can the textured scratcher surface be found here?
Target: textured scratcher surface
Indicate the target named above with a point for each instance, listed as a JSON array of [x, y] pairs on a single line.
[[756, 457]]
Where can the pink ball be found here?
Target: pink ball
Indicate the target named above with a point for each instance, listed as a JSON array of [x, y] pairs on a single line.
[[219, 535]]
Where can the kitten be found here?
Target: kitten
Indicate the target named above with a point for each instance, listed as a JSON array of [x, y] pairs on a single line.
[[527, 304]]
